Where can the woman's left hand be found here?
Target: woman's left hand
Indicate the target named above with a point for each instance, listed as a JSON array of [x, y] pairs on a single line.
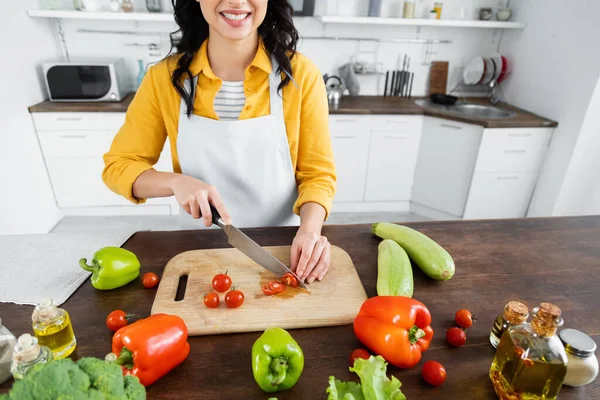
[[310, 256]]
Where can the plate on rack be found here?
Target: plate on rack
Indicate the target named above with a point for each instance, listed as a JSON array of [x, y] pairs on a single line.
[[474, 71], [497, 59], [490, 71]]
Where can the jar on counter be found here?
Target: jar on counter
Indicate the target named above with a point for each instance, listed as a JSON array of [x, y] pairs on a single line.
[[437, 7], [582, 367], [28, 352], [7, 344], [52, 327], [409, 9], [154, 5]]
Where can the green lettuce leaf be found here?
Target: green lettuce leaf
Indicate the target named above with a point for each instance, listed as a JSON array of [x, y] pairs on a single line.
[[374, 383], [339, 390]]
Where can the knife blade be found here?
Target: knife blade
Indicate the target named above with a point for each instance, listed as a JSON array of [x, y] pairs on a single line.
[[251, 249]]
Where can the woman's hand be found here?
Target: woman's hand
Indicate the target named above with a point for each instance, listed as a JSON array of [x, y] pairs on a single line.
[[311, 254], [194, 196]]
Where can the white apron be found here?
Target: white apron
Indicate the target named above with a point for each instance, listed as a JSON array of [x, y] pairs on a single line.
[[247, 161]]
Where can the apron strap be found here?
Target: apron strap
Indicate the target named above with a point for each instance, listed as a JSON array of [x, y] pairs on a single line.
[[194, 82], [274, 81]]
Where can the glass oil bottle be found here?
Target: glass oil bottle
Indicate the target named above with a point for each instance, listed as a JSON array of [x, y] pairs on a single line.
[[514, 313], [530, 361], [27, 353], [52, 327]]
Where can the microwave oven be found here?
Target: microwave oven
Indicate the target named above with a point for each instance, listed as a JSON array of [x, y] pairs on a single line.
[[86, 81]]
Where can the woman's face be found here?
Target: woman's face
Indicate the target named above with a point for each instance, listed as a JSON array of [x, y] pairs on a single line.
[[234, 19]]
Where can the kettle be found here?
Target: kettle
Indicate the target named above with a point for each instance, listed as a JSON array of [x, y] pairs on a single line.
[[335, 92]]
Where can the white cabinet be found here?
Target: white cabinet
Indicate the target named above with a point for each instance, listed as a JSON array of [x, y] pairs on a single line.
[[467, 172], [73, 145], [446, 159], [375, 157], [392, 160], [499, 195], [350, 139]]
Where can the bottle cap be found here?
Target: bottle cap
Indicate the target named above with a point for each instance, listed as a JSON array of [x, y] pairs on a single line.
[[577, 343], [515, 312], [547, 319], [26, 348], [45, 311]]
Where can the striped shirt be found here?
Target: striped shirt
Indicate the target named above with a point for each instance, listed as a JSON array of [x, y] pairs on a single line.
[[230, 100]]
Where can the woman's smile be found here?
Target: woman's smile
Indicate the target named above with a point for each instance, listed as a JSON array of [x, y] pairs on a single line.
[[235, 18]]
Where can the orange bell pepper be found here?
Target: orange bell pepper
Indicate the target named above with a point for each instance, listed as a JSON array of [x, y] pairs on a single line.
[[149, 348], [396, 328]]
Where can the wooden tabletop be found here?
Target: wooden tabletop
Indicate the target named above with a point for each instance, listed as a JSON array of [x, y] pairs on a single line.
[[532, 260]]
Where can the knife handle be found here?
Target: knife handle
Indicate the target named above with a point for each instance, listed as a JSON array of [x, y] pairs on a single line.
[[215, 214]]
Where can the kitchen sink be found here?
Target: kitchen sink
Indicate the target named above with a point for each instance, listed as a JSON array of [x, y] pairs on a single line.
[[469, 110]]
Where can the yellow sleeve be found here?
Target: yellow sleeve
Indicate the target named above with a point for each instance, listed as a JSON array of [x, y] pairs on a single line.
[[138, 144], [315, 166]]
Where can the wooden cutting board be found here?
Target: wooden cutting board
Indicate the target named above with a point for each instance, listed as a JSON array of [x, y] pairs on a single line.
[[334, 301], [438, 78]]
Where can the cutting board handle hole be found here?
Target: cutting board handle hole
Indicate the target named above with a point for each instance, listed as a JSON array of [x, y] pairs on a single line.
[[181, 288]]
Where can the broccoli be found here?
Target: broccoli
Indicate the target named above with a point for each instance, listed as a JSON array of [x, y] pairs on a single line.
[[88, 378]]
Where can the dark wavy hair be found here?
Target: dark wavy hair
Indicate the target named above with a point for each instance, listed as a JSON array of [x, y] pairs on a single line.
[[278, 33]]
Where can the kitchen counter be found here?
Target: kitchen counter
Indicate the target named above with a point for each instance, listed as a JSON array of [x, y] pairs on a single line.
[[532, 260], [350, 105]]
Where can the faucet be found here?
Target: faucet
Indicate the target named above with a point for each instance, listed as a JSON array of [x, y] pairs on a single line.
[[493, 96]]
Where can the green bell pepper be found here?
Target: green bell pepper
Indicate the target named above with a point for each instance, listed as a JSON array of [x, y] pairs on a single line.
[[112, 267], [277, 360]]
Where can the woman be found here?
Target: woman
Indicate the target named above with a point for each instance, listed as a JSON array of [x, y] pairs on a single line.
[[247, 120]]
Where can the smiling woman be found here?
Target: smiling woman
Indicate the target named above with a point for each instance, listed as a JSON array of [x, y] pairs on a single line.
[[246, 116]]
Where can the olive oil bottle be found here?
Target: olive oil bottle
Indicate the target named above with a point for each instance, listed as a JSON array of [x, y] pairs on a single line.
[[52, 328], [530, 361]]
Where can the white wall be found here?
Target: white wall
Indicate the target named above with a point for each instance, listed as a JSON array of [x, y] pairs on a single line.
[[329, 55], [580, 192], [555, 70], [26, 201]]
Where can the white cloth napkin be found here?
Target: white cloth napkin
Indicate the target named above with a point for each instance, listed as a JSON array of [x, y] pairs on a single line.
[[34, 267]]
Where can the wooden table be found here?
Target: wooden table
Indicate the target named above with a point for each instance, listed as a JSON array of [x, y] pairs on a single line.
[[533, 260]]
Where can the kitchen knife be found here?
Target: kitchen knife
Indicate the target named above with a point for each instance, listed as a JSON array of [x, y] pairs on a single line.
[[251, 249]]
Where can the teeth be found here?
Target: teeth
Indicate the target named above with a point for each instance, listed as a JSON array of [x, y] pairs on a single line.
[[235, 17]]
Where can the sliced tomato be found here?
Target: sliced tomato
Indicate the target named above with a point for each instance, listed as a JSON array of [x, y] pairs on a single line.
[[276, 286], [290, 280], [267, 290]]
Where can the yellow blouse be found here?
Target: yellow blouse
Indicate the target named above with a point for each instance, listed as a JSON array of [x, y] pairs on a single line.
[[153, 116]]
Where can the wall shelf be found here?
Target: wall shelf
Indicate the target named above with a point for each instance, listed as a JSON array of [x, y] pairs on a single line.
[[449, 23], [168, 17], [102, 15]]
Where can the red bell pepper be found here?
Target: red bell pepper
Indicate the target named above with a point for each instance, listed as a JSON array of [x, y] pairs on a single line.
[[396, 328], [149, 348]]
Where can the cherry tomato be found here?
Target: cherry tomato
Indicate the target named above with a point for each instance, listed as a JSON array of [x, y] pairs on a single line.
[[221, 282], [276, 286], [464, 318], [234, 298], [267, 290], [117, 319], [358, 353], [289, 280], [456, 336], [434, 373], [150, 280], [211, 300]]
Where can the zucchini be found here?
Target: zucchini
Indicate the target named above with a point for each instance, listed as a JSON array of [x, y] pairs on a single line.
[[394, 270], [428, 255]]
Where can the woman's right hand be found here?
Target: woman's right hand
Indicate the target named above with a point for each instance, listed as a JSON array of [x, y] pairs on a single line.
[[194, 196]]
